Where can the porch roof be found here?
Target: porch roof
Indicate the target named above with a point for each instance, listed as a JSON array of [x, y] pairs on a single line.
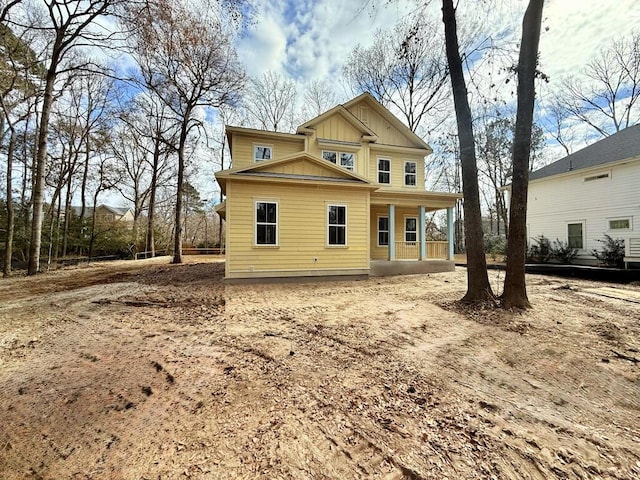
[[430, 200]]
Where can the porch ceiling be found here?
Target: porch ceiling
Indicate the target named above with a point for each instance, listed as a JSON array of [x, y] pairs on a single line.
[[430, 200]]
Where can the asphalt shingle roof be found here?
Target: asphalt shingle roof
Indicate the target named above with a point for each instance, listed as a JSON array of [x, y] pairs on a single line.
[[619, 146]]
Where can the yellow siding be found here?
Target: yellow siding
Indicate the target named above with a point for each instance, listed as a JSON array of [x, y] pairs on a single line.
[[397, 169], [301, 230], [242, 151], [337, 128], [387, 134]]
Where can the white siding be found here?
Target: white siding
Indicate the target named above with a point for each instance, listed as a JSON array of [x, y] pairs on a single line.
[[555, 202]]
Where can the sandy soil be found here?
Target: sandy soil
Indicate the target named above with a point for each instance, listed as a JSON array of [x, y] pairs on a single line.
[[145, 370]]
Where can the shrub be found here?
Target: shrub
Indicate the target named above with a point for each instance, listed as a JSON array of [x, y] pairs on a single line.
[[495, 245], [612, 253], [563, 252], [540, 252]]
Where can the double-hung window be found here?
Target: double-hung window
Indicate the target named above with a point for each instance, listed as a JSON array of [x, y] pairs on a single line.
[[575, 235], [410, 173], [262, 152], [384, 170], [383, 231], [344, 159], [337, 225], [410, 229], [266, 223]]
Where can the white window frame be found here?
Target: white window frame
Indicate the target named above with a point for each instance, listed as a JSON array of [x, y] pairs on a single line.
[[262, 145], [256, 223], [411, 231], [388, 172], [415, 175], [338, 161], [381, 231], [598, 176], [329, 225], [617, 219], [584, 232]]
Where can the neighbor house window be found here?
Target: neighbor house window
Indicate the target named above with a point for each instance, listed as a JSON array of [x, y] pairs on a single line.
[[384, 170], [337, 224], [575, 232], [266, 223], [410, 229], [596, 177], [343, 159], [410, 169], [383, 231], [620, 224], [262, 152]]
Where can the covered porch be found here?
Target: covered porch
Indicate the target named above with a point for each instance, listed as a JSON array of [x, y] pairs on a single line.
[[399, 242]]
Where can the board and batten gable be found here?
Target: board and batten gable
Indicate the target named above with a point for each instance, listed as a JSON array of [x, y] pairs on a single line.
[[593, 197], [302, 247], [386, 132]]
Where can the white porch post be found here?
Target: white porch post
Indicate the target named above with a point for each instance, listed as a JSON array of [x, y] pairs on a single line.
[[423, 233], [450, 233], [392, 232]]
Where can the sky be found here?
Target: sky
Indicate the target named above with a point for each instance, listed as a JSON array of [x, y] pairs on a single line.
[[311, 39]]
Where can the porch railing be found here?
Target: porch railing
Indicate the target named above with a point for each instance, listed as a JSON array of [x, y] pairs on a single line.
[[411, 250]]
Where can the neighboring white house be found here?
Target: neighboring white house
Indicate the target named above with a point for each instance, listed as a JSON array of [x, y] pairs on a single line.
[[590, 193]]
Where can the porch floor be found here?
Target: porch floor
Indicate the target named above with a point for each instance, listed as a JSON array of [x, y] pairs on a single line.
[[384, 268]]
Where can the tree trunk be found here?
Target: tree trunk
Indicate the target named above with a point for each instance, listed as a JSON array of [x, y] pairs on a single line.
[[478, 286], [515, 291], [177, 238], [39, 173], [8, 244], [152, 199]]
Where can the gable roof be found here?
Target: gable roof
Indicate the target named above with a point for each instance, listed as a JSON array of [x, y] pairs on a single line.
[[269, 169], [389, 117], [121, 211], [346, 114], [617, 147]]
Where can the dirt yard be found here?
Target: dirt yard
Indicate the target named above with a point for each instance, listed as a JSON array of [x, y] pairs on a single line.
[[145, 370]]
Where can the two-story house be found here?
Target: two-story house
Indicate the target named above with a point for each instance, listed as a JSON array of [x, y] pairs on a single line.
[[344, 195]]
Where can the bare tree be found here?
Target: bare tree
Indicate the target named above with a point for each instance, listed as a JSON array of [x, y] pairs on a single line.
[[604, 95], [515, 290], [405, 68], [270, 102], [186, 58], [318, 98], [63, 28]]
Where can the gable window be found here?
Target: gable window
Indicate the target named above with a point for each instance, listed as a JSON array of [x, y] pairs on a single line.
[[410, 175], [596, 177], [337, 224], [343, 159], [410, 229], [383, 231], [266, 223], [575, 235], [384, 170], [620, 224], [262, 152]]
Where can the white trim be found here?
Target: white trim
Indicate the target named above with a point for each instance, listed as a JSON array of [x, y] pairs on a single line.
[[255, 223], [346, 213], [616, 230], [406, 231], [262, 145], [404, 173], [378, 230], [383, 171]]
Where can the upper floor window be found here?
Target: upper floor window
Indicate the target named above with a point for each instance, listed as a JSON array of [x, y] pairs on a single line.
[[596, 177], [346, 160], [262, 152], [410, 173], [384, 170]]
